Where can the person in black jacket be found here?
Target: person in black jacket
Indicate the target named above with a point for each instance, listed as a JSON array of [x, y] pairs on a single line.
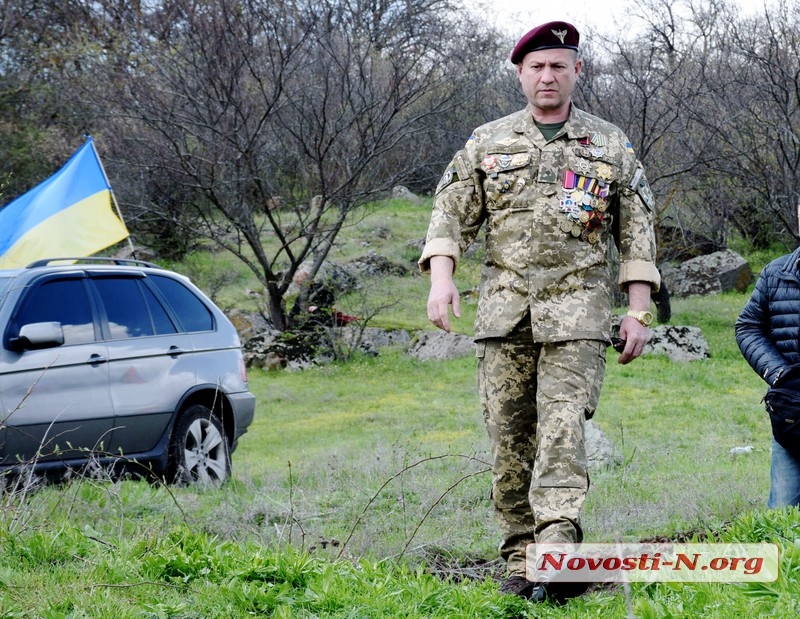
[[768, 334]]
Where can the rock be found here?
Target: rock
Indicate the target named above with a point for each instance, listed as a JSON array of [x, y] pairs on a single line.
[[336, 277], [416, 246], [248, 324], [678, 343], [399, 192], [257, 351], [292, 350], [599, 450], [722, 271], [375, 337], [375, 265], [439, 345]]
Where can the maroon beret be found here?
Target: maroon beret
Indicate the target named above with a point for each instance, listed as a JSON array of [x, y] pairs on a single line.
[[547, 36]]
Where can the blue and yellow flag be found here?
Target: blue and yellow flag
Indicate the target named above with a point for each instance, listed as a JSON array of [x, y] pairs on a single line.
[[69, 214]]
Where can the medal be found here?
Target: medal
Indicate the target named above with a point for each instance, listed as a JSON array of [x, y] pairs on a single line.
[[569, 180], [598, 139], [604, 171], [584, 201]]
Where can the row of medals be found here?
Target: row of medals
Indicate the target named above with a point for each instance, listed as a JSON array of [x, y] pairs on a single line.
[[584, 202]]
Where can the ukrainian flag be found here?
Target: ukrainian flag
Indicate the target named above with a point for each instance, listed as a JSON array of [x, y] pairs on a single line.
[[69, 214]]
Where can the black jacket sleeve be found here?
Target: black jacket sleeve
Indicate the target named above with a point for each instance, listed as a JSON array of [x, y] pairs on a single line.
[[754, 335]]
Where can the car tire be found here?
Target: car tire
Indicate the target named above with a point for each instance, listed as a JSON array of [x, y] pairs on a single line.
[[199, 451]]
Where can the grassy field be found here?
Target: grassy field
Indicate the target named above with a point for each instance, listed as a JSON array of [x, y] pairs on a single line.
[[362, 489]]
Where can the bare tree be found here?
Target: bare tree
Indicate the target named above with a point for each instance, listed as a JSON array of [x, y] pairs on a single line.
[[762, 132], [40, 60], [658, 86], [272, 122]]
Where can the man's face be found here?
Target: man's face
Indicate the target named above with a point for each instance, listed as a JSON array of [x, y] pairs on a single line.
[[548, 77]]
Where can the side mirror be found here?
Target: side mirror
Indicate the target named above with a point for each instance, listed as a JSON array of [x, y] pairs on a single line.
[[37, 335]]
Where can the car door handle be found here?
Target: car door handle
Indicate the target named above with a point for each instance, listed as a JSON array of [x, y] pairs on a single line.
[[96, 359], [174, 351]]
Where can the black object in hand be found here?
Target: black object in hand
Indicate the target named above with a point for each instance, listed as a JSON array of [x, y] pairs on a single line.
[[618, 344]]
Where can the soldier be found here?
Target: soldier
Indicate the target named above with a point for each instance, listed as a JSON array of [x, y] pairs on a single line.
[[551, 184]]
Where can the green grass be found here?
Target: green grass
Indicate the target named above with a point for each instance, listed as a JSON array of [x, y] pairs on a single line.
[[360, 484]]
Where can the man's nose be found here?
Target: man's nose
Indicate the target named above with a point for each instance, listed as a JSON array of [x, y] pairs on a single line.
[[548, 75]]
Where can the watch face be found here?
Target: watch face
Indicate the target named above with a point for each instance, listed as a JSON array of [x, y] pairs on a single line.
[[643, 316]]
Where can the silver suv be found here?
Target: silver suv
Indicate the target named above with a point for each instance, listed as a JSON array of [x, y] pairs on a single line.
[[117, 364]]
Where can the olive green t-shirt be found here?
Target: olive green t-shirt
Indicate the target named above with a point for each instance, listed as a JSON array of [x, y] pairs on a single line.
[[549, 130]]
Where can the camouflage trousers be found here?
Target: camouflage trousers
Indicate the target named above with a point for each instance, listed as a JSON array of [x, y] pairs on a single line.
[[536, 398]]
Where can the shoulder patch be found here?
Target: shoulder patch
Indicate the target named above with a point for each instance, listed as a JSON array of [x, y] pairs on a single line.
[[461, 167], [645, 193], [457, 170], [447, 178]]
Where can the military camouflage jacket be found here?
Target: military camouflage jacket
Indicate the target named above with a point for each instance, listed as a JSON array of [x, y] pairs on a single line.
[[549, 209]]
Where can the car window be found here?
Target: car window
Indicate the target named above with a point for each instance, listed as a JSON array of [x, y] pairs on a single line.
[[61, 300], [161, 320], [190, 310], [131, 309], [5, 284]]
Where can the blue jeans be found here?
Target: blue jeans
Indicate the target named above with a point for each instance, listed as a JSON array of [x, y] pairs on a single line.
[[784, 478]]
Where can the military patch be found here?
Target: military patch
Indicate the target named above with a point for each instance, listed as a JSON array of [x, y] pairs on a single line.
[[447, 178], [491, 165], [646, 194], [640, 185], [461, 167], [635, 180], [518, 160]]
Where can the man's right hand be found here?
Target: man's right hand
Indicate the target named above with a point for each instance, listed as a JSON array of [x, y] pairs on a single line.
[[443, 292]]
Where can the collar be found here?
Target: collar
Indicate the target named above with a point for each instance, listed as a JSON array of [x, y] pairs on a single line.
[[576, 127]]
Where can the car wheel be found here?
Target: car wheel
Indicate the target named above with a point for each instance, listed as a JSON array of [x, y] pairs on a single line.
[[199, 450]]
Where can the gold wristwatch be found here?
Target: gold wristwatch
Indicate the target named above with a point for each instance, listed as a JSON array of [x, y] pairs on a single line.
[[643, 316]]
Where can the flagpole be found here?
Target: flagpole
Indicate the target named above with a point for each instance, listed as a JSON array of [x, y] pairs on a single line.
[[111, 191]]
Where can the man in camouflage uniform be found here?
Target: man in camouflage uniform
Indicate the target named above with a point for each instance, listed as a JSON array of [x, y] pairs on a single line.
[[551, 184]]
